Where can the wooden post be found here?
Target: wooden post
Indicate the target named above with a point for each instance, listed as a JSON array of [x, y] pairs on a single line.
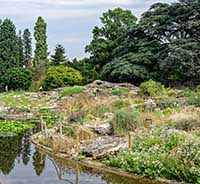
[[77, 173], [129, 140], [60, 128], [78, 142]]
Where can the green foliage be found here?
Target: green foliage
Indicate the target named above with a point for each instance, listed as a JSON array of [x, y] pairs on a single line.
[[49, 116], [108, 37], [161, 46], [119, 92], [9, 51], [21, 49], [59, 56], [125, 121], [72, 90], [18, 79], [102, 109], [13, 127], [162, 153], [40, 58], [118, 104], [27, 44], [152, 88], [193, 96], [124, 70], [86, 68], [168, 102], [61, 76]]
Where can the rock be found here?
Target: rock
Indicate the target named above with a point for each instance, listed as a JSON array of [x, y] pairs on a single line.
[[104, 146], [105, 84], [101, 127], [2, 106], [149, 105]]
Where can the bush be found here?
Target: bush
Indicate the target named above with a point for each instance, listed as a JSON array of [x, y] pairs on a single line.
[[193, 96], [102, 109], [61, 76], [162, 153], [168, 102], [18, 79], [118, 104], [152, 88], [125, 121], [72, 90], [119, 92]]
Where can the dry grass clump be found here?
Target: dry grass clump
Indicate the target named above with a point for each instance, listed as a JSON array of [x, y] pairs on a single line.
[[81, 105], [84, 134], [66, 145]]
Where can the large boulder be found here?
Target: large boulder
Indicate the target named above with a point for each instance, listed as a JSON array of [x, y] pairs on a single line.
[[104, 146]]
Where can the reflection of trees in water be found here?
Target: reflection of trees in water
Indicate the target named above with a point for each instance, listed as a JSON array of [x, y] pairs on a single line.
[[72, 167], [39, 160], [12, 148], [26, 151]]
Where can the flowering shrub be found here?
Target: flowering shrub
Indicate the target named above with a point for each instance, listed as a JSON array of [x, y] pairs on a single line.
[[162, 152]]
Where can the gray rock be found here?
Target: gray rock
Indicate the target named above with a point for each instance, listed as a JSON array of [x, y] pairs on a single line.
[[104, 146], [149, 104]]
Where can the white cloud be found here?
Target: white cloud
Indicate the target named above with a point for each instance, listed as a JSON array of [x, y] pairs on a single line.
[[57, 9]]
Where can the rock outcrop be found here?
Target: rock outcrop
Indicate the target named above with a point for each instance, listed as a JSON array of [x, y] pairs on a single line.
[[104, 146]]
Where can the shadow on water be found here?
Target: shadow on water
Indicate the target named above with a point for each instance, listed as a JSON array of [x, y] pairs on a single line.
[[21, 163]]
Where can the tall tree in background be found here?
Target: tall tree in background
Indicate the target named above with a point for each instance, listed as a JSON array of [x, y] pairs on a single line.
[[59, 56], [108, 37], [40, 58], [27, 43], [9, 50], [21, 47]]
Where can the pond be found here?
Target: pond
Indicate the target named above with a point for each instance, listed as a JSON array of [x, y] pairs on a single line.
[[22, 163]]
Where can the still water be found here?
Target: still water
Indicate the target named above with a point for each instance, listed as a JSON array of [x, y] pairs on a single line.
[[22, 163]]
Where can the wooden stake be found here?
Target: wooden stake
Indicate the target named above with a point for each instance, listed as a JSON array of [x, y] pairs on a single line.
[[129, 140]]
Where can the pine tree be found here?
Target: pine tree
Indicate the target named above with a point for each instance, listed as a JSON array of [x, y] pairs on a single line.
[[40, 58], [27, 43], [59, 56]]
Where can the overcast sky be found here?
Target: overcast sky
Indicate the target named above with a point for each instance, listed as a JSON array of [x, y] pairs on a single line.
[[70, 22]]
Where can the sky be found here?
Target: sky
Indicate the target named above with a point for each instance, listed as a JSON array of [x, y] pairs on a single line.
[[70, 22]]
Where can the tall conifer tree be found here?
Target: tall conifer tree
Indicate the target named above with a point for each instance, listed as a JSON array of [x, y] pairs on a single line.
[[40, 58], [9, 50], [27, 43]]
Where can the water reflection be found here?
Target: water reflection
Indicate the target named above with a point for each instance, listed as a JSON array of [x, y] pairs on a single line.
[[21, 163], [12, 149]]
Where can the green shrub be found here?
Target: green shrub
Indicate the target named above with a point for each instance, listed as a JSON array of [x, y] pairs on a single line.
[[118, 104], [18, 79], [162, 153], [72, 90], [61, 76], [168, 102], [119, 92], [152, 88], [193, 96], [125, 121], [102, 109], [49, 116]]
